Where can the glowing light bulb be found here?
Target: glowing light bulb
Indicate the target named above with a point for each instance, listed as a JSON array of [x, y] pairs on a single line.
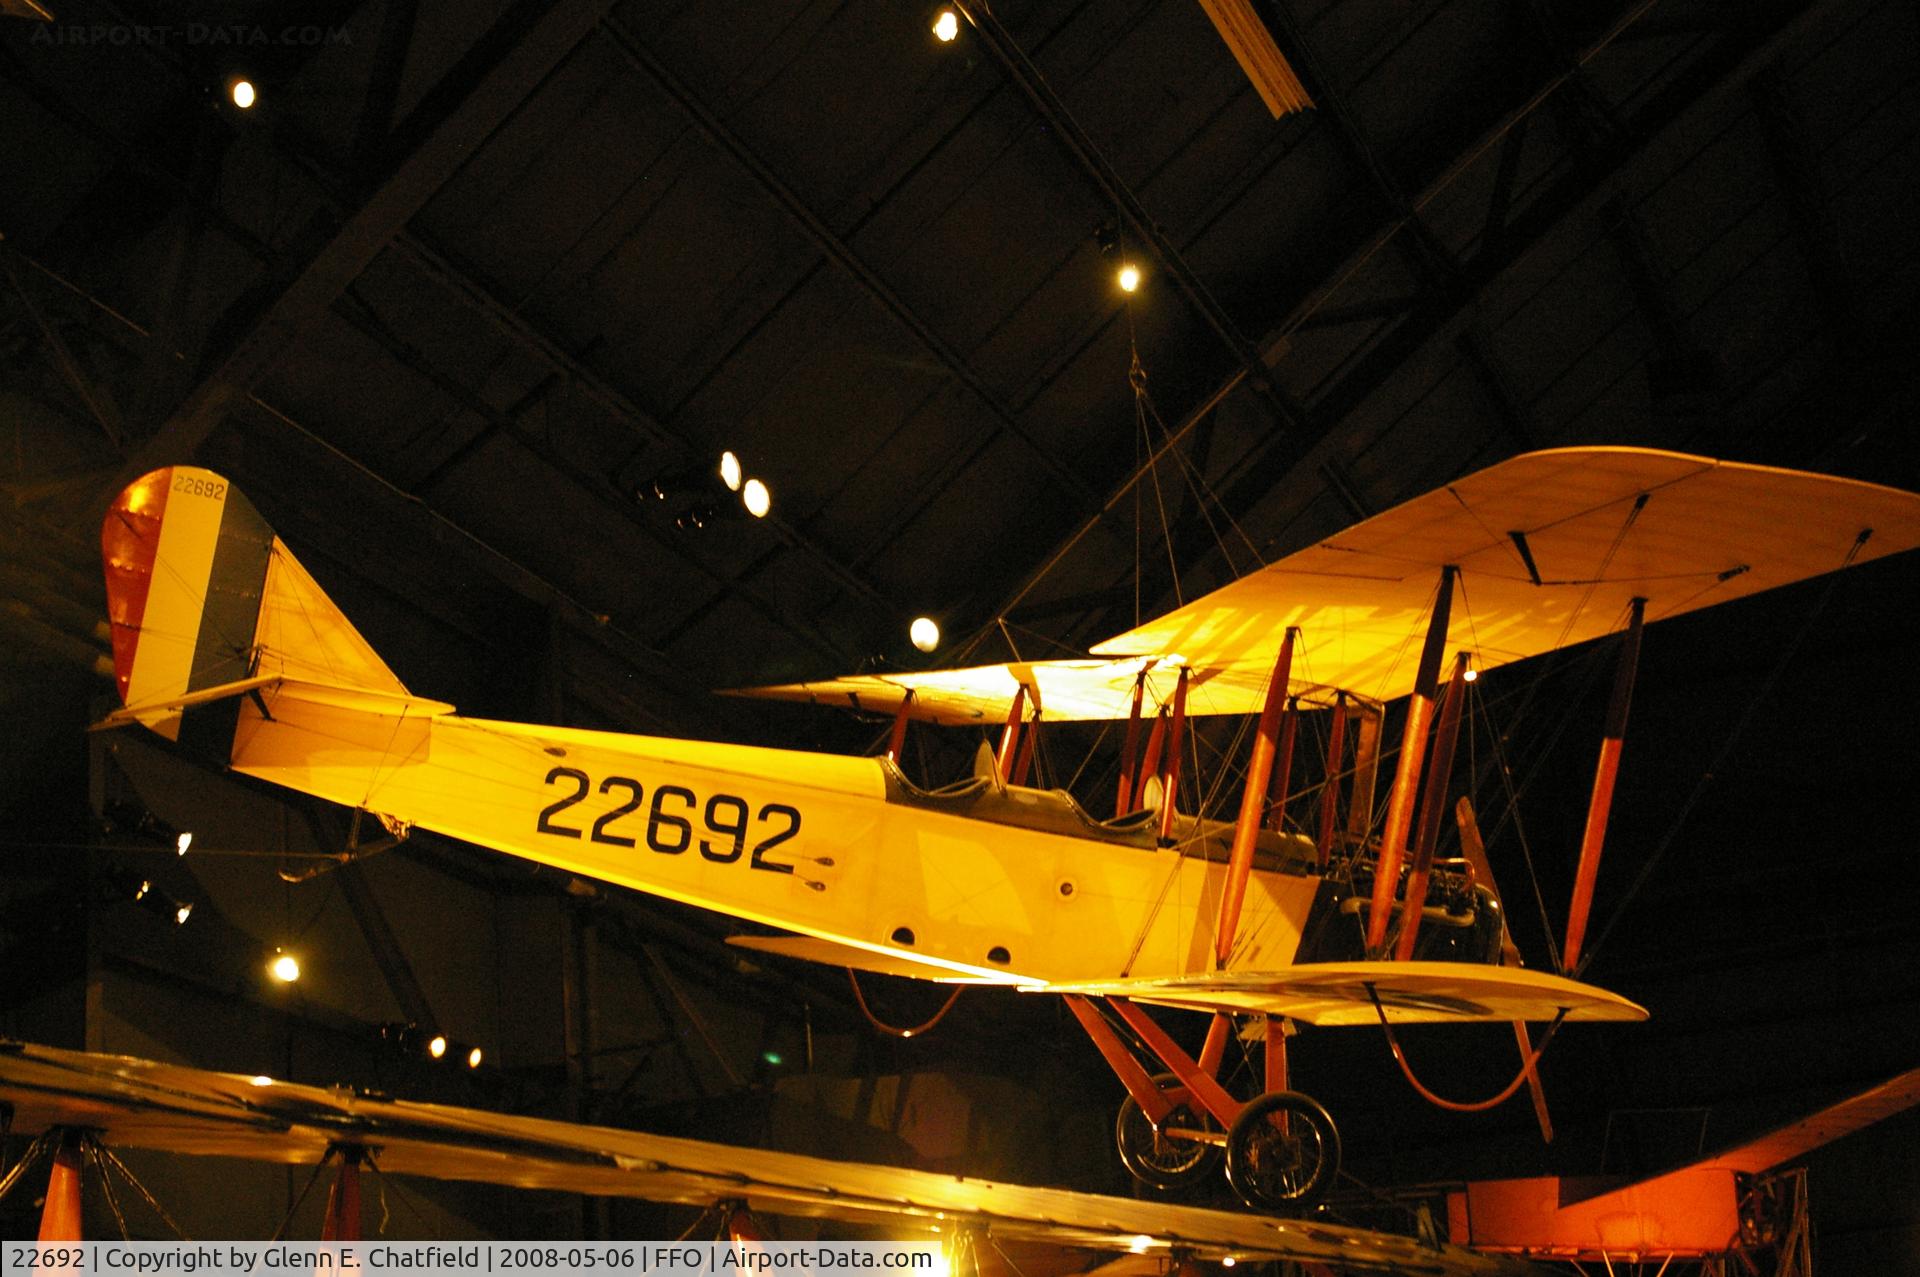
[[946, 27], [1138, 1245], [183, 842], [437, 1047], [756, 498], [285, 968], [473, 1058], [730, 471], [243, 94], [925, 633], [181, 914], [261, 1079], [1471, 675], [1129, 277], [1227, 1261]]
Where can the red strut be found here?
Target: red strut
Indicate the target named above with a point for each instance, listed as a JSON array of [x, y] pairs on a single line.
[[1330, 791], [1413, 743], [1439, 772], [1603, 777], [1246, 830]]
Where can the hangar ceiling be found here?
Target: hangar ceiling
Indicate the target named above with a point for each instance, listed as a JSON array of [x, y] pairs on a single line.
[[471, 277]]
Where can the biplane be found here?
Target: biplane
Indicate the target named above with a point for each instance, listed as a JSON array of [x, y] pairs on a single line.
[[1298, 911]]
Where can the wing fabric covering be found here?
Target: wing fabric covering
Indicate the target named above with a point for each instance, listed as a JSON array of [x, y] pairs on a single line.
[[1551, 547], [1344, 993]]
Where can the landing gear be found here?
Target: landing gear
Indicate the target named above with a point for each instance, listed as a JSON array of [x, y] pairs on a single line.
[[1167, 1157], [1282, 1152]]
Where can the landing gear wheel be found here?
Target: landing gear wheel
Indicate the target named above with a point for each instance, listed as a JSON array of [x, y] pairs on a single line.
[[1164, 1161], [1282, 1152]]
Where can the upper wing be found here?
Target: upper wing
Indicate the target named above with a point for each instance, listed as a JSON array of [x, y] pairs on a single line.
[[1067, 691], [1601, 526], [1346, 993], [1551, 548]]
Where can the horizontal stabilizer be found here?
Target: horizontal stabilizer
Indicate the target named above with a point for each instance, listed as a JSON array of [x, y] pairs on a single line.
[[366, 700], [1333, 993]]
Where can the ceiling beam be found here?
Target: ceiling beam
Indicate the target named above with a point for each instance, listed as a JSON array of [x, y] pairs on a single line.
[[1054, 112], [1274, 459], [840, 253], [472, 101]]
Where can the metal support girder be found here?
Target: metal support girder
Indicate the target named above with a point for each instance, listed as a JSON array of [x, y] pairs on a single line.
[[1273, 461], [1430, 257], [1797, 167], [362, 318], [836, 249], [473, 100], [1096, 165], [585, 381]]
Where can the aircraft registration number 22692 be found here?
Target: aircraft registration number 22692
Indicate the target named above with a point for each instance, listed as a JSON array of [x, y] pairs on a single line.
[[669, 820]]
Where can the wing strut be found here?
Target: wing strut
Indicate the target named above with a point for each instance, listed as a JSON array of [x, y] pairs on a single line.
[[1170, 761], [1330, 791], [1605, 772], [1413, 742], [1475, 852], [1123, 802], [1246, 829], [897, 742], [1439, 772]]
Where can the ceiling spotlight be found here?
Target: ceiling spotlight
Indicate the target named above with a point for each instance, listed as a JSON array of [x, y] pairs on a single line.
[[1129, 277], [730, 471], [925, 633], [184, 841], [946, 26], [285, 968], [437, 1045], [473, 1058], [140, 892], [243, 94], [756, 498], [181, 914]]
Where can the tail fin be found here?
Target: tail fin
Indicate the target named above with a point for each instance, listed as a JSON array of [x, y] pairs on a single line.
[[203, 596]]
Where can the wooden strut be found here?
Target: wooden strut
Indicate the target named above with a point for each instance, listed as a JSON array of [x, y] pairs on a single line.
[[1246, 830], [1010, 735], [897, 742], [1283, 767], [1150, 758], [1475, 852], [342, 1220], [1123, 801], [60, 1217], [1330, 791], [1413, 743], [1604, 775], [1170, 761], [1028, 741], [1432, 803]]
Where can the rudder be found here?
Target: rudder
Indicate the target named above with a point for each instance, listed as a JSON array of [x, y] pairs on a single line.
[[201, 594]]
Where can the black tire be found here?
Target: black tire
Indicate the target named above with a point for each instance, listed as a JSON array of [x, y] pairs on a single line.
[[1282, 1166], [1164, 1161]]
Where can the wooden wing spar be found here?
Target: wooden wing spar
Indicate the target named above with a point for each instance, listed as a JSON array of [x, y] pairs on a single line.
[[1551, 548]]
